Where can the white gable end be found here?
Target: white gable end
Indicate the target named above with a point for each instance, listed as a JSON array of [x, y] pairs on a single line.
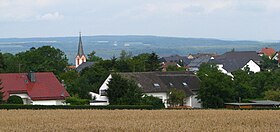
[[253, 67]]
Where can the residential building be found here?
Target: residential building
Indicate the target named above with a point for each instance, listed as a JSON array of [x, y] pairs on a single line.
[[269, 52], [41, 88], [157, 84], [84, 65], [195, 63], [234, 60], [181, 60]]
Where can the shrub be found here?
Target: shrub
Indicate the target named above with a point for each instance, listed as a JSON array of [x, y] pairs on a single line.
[[153, 101], [77, 101], [108, 107], [14, 100]]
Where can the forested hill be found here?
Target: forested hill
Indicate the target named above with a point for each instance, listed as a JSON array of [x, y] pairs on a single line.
[[108, 46]]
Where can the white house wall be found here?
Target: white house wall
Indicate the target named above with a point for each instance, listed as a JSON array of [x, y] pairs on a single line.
[[48, 102], [220, 68], [195, 102], [253, 66]]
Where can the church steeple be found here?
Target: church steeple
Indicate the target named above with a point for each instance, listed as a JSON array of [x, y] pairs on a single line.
[[80, 47], [80, 58]]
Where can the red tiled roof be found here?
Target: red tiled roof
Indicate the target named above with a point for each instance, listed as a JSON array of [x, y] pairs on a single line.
[[268, 51], [46, 86]]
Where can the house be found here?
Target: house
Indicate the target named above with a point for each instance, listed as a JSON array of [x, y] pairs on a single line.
[[269, 52], [41, 88], [157, 84], [254, 104], [199, 55], [165, 65], [84, 65], [276, 57], [195, 63], [181, 60], [234, 60]]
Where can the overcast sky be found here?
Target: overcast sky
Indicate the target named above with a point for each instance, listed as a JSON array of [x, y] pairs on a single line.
[[223, 19]]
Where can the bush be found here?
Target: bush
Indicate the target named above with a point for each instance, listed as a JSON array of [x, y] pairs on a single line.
[[108, 107], [14, 100], [272, 95], [153, 101], [77, 101]]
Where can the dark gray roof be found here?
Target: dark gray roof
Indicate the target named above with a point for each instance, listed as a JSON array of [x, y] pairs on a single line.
[[257, 102], [84, 65], [265, 102], [151, 82], [176, 58], [233, 61], [80, 47], [198, 61]]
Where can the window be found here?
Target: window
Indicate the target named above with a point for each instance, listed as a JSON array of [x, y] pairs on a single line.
[[171, 84], [185, 84], [156, 85]]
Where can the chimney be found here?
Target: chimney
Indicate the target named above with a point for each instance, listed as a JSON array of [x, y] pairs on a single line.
[[31, 77]]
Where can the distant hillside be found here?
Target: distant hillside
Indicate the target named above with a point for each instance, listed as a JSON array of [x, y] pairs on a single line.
[[108, 46]]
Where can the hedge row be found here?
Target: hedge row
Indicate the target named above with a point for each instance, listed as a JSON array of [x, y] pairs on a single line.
[[108, 107]]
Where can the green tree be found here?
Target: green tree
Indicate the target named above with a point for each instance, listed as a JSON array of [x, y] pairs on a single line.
[[153, 63], [12, 63], [154, 101], [123, 91], [2, 64], [125, 55], [45, 58], [268, 64], [216, 88], [176, 97], [243, 85], [272, 95], [92, 57], [140, 62], [89, 80]]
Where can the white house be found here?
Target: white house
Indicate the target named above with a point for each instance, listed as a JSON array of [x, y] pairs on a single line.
[[157, 84], [235, 60]]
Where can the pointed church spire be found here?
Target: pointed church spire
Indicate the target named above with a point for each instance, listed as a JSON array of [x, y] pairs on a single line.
[[81, 57], [80, 47]]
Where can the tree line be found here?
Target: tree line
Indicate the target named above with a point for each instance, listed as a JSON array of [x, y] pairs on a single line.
[[218, 88]]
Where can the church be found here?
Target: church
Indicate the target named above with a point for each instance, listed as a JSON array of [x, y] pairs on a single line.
[[81, 57]]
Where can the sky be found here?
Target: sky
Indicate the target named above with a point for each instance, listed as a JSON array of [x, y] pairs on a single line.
[[222, 19]]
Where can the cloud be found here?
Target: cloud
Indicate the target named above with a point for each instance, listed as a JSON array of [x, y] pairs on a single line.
[[22, 10], [51, 16]]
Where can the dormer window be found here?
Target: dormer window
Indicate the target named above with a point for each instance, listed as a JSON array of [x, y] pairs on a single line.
[[185, 84], [139, 85], [171, 84], [156, 85]]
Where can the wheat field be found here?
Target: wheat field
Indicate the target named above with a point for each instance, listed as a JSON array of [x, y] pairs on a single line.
[[139, 120]]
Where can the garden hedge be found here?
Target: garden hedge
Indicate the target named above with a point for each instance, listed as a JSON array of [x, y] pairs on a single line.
[[109, 107]]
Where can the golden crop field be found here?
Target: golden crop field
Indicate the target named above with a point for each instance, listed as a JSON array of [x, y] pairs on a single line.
[[140, 120]]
